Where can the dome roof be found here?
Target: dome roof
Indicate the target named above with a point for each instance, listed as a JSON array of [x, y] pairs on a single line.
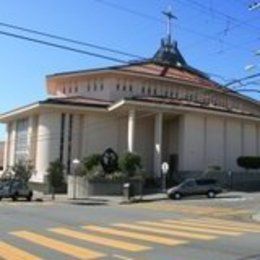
[[168, 53]]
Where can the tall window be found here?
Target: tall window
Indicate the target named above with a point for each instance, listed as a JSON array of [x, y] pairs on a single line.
[[21, 144]]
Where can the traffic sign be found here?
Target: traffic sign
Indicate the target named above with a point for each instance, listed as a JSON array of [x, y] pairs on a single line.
[[165, 167]]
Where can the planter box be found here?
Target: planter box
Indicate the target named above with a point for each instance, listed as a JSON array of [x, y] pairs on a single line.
[[81, 187]]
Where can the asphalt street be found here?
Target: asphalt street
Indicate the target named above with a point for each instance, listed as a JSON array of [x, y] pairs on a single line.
[[97, 229]]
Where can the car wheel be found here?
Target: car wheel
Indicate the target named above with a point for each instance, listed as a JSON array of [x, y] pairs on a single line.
[[0, 198], [176, 196], [14, 197], [211, 194]]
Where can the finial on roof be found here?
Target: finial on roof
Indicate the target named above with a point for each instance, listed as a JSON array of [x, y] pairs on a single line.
[[169, 15]]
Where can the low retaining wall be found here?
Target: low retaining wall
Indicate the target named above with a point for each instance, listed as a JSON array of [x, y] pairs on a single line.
[[80, 187]]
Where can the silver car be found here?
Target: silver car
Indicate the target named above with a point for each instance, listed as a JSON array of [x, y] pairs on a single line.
[[191, 187], [14, 189]]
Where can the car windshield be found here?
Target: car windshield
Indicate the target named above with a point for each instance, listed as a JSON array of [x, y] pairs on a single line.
[[188, 183]]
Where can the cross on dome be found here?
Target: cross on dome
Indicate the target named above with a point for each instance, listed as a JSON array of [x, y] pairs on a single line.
[[170, 16]]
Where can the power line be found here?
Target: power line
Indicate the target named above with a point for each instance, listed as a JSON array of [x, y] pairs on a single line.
[[184, 28], [242, 79], [204, 8], [128, 10], [68, 48], [70, 40], [64, 47]]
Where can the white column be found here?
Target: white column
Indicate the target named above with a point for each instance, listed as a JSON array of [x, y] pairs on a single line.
[[30, 139], [131, 131], [6, 147], [12, 143], [158, 144], [48, 143]]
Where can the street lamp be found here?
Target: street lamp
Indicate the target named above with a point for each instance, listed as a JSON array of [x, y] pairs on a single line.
[[254, 6], [250, 67], [75, 164]]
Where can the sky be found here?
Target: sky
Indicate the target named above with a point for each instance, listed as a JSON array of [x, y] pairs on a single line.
[[216, 36]]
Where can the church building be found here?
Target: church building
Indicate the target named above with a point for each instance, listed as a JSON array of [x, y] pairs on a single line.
[[161, 108]]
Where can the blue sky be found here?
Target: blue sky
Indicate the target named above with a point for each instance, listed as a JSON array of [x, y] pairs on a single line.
[[215, 36]]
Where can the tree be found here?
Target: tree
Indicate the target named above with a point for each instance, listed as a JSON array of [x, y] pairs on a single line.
[[91, 161], [55, 176], [22, 170], [130, 163], [249, 162]]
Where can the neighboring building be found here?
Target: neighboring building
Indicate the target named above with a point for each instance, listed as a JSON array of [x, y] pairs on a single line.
[[160, 108], [2, 146]]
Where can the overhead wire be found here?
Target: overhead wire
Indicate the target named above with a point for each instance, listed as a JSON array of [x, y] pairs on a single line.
[[64, 47], [182, 27], [66, 39]]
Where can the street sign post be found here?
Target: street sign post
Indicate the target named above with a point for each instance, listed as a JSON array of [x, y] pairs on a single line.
[[165, 169]]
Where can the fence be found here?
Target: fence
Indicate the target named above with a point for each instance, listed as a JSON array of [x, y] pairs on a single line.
[[240, 181]]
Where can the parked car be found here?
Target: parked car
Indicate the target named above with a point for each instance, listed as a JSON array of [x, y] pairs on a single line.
[[14, 189], [191, 187]]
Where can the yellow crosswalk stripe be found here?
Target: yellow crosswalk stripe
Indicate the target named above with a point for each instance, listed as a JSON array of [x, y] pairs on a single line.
[[75, 251], [166, 231], [135, 235], [10, 252], [100, 240], [213, 225], [219, 231], [196, 210], [189, 228], [233, 223]]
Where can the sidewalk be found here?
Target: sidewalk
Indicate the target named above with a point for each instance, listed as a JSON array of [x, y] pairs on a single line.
[[105, 200], [256, 216]]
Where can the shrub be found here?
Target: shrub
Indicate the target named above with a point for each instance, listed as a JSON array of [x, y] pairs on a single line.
[[91, 161], [249, 162], [130, 163], [22, 170], [55, 175], [116, 176]]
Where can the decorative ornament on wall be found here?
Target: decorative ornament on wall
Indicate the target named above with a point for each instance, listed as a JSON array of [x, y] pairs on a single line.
[[109, 160]]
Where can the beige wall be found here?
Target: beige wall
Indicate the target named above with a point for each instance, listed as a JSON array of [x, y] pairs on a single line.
[[48, 143], [208, 140], [2, 147], [199, 140], [104, 131], [75, 86]]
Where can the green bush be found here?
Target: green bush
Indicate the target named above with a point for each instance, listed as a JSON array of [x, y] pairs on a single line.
[[116, 176], [92, 161], [55, 175], [249, 162], [130, 163], [22, 170]]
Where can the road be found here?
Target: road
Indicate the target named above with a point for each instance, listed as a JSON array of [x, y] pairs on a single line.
[[192, 229]]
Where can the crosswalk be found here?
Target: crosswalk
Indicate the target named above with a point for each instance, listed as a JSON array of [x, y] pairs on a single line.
[[194, 210], [95, 241], [10, 203]]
